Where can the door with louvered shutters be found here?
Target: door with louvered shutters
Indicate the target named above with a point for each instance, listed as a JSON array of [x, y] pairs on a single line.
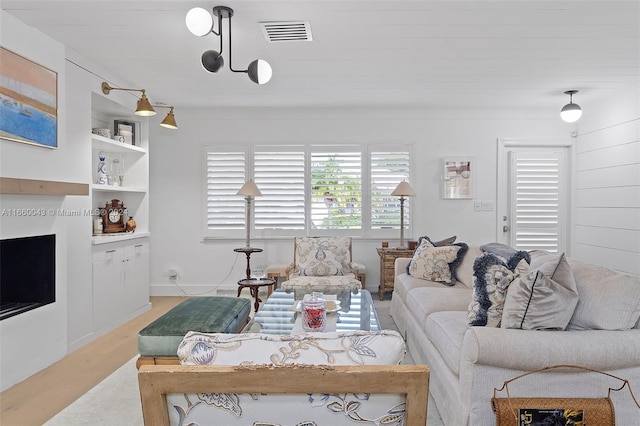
[[537, 198]]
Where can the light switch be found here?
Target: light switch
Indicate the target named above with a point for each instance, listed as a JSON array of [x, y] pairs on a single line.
[[488, 206], [477, 206]]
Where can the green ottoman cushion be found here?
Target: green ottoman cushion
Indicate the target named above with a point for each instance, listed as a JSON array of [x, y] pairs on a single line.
[[205, 314]]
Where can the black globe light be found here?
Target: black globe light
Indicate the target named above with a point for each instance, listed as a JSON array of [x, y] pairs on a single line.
[[260, 71], [212, 61], [200, 23]]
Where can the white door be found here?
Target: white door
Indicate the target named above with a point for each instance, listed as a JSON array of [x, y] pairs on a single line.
[[533, 195]]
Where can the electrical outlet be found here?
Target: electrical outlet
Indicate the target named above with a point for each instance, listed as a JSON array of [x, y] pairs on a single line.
[[172, 273], [477, 206]]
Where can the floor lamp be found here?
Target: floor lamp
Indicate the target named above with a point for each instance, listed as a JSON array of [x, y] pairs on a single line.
[[402, 190], [249, 190]]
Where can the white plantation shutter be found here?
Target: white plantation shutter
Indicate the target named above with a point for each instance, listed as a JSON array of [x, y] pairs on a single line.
[[336, 190], [537, 194], [306, 189], [280, 177], [387, 170], [225, 176]]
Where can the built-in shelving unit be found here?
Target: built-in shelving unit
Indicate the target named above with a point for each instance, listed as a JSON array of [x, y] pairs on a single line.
[[120, 260], [135, 184]]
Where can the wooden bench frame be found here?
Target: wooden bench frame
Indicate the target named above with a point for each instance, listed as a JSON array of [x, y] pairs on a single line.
[[156, 381]]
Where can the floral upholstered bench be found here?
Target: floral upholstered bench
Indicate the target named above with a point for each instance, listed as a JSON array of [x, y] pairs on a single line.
[[158, 342], [339, 378]]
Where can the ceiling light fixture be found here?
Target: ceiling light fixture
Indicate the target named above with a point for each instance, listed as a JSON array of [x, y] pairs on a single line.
[[170, 120], [571, 112], [144, 108], [200, 23]]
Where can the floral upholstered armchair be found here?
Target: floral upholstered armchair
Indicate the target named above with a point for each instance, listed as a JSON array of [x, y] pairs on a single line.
[[323, 263], [307, 379]]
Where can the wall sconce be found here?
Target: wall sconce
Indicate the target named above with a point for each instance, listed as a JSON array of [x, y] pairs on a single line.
[[571, 112], [402, 190], [200, 23], [144, 108], [170, 120], [249, 190]]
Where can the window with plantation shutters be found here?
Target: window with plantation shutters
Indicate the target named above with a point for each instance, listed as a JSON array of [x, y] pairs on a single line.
[[336, 190], [226, 173], [387, 169], [537, 194], [306, 189], [280, 176]]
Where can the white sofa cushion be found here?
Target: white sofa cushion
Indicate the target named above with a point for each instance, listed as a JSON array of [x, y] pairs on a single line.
[[464, 272], [609, 300], [424, 301], [446, 331], [384, 347]]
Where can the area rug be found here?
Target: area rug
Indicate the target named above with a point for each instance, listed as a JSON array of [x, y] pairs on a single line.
[[116, 400]]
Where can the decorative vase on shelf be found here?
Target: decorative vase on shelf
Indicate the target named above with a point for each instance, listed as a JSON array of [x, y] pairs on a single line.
[[130, 226], [102, 169]]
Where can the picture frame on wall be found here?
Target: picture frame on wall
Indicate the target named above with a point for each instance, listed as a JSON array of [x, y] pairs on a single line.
[[458, 178], [28, 101], [127, 129]]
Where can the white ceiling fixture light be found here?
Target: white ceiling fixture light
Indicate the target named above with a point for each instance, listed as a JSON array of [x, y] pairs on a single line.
[[201, 23], [571, 112]]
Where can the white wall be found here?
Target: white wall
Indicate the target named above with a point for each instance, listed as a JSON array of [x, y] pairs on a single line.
[[35, 339], [177, 179], [607, 174]]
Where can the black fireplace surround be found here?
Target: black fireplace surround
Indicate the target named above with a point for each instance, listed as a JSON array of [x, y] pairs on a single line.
[[27, 274]]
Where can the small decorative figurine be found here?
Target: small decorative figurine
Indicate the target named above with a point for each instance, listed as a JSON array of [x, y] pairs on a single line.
[[131, 225], [102, 169]]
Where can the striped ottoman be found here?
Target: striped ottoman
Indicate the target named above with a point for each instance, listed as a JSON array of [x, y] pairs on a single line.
[[158, 342]]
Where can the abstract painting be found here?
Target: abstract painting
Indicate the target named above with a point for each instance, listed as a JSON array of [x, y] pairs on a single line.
[[28, 101]]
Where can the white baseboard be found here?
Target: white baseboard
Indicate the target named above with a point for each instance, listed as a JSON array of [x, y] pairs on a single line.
[[192, 290]]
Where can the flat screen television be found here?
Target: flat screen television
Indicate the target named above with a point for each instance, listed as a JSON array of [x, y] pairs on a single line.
[[27, 274]]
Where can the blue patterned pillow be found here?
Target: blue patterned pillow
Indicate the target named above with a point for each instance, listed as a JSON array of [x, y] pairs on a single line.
[[491, 279]]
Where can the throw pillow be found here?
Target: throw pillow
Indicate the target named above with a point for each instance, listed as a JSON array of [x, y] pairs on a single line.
[[491, 279], [436, 263], [446, 242], [544, 299], [501, 250], [323, 256]]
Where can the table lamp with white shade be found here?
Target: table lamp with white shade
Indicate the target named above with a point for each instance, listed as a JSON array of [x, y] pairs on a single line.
[[249, 190], [402, 190]]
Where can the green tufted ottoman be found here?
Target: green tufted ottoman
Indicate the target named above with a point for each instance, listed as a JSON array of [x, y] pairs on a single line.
[[158, 342]]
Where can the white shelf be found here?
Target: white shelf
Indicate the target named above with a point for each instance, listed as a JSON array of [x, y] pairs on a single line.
[[119, 236], [111, 188], [100, 142]]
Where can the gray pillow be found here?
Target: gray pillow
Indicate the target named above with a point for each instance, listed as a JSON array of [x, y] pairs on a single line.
[[544, 299]]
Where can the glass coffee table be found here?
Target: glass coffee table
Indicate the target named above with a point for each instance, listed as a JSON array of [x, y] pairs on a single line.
[[278, 314]]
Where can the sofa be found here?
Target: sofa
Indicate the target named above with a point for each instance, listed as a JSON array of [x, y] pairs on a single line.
[[337, 378], [439, 320]]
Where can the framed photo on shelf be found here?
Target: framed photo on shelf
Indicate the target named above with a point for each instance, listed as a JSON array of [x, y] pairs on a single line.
[[128, 130], [29, 101], [458, 178]]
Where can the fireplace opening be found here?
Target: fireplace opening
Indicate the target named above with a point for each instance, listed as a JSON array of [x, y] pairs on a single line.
[[27, 274]]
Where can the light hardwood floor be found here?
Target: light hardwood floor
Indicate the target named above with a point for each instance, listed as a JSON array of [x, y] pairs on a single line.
[[41, 396]]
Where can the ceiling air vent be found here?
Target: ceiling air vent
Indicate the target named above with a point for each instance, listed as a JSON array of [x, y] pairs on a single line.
[[276, 32]]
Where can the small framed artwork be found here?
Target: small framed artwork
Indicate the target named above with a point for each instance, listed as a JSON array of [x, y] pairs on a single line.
[[127, 129], [458, 176], [29, 107]]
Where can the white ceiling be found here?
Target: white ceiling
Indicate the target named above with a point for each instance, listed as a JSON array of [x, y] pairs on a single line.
[[432, 54]]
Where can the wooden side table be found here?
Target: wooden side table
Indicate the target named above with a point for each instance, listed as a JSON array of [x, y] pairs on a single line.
[[388, 258]]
